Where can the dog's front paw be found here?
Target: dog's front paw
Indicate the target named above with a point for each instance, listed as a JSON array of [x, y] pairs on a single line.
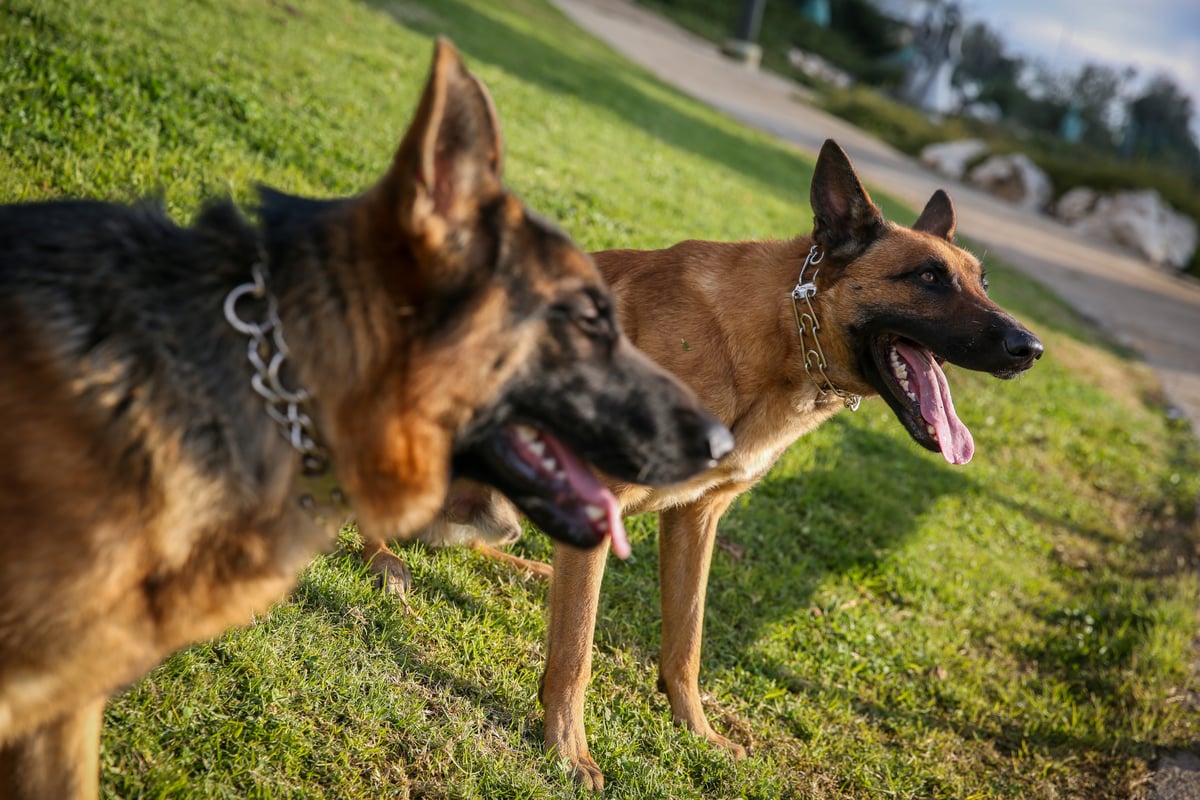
[[586, 773], [570, 745]]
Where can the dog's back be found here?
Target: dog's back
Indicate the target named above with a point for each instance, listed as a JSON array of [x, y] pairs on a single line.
[[124, 442], [113, 296]]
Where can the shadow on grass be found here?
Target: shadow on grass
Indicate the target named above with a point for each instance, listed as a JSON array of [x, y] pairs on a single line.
[[333, 602], [865, 497], [797, 531]]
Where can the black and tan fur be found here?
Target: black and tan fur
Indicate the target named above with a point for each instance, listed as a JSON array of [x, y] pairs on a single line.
[[146, 499]]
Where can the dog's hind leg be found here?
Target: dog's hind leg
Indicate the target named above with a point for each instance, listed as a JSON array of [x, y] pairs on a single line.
[[574, 600], [535, 568], [60, 760], [388, 568], [686, 537]]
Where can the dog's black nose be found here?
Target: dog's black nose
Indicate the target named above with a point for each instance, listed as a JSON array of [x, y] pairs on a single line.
[[1022, 345], [720, 440]]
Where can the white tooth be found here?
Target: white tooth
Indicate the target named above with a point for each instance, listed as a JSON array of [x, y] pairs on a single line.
[[537, 446], [550, 465], [932, 431], [526, 433], [904, 385], [595, 513]]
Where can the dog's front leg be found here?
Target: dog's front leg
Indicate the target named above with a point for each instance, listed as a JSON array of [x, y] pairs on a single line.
[[60, 760], [686, 536], [574, 600]]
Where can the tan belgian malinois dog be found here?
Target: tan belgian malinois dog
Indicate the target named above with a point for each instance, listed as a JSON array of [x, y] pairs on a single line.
[[147, 499], [780, 336]]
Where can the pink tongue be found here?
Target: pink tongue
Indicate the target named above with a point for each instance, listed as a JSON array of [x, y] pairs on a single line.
[[589, 490], [937, 408]]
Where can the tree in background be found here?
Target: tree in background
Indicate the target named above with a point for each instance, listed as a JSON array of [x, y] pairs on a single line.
[[993, 75], [1096, 92], [858, 38], [1094, 96], [869, 44], [1158, 127]]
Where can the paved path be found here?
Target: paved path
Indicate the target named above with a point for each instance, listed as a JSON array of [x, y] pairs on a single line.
[[1147, 309]]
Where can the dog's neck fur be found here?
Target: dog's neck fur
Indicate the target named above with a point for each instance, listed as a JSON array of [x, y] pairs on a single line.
[[323, 314], [753, 372]]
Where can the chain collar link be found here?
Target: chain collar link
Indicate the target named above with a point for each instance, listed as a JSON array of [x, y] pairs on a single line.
[[267, 351], [814, 357]]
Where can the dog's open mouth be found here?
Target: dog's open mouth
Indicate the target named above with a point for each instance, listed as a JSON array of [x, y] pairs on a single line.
[[920, 396], [553, 487]]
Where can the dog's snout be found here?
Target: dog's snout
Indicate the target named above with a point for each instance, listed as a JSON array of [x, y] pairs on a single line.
[[1023, 345], [720, 441]]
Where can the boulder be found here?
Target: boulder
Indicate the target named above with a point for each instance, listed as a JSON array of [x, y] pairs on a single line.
[[951, 158], [1076, 204], [817, 68], [1142, 222], [1015, 178]]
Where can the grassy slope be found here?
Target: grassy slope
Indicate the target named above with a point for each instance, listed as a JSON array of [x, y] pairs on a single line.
[[879, 623]]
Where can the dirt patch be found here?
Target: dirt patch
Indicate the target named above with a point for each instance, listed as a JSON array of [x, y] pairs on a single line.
[[1176, 776]]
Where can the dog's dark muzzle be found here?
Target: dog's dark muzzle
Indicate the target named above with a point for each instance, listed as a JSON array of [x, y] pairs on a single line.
[[1021, 349], [703, 441], [1022, 346]]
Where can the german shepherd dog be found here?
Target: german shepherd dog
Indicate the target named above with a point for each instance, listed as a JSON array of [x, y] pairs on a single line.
[[780, 335], [147, 498]]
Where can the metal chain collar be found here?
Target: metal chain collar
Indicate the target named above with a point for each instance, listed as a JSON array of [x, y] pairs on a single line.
[[814, 357], [267, 351]]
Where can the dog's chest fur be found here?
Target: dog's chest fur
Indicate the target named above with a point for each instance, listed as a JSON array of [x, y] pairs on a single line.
[[740, 358]]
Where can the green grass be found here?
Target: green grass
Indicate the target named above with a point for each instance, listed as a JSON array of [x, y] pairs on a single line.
[[879, 624]]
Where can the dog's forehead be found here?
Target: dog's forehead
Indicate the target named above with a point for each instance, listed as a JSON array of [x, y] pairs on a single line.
[[554, 260], [919, 247]]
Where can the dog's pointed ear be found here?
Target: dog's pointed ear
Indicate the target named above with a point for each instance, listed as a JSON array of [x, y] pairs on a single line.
[[845, 220], [938, 217], [450, 161]]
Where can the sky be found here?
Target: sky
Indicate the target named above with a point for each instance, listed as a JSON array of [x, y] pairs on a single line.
[[1151, 35]]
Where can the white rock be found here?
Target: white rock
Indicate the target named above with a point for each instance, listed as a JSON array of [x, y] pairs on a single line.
[[1075, 204], [814, 66], [1142, 222], [951, 158], [1015, 178]]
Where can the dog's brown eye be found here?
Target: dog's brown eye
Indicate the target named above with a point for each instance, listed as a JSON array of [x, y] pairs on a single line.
[[929, 276]]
